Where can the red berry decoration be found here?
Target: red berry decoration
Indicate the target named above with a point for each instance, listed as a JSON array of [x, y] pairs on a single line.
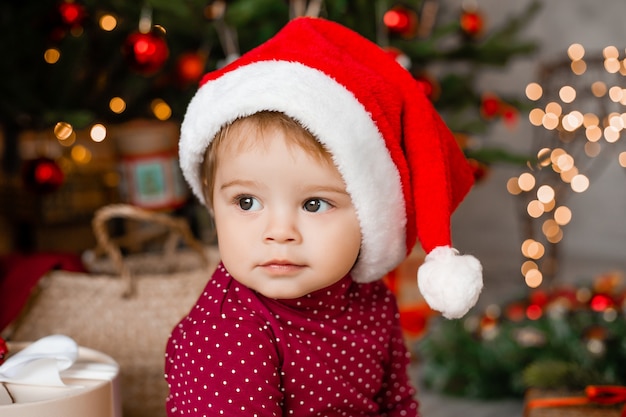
[[146, 52], [401, 20], [472, 23], [4, 351], [42, 175]]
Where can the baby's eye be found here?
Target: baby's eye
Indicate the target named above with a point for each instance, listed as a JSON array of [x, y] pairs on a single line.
[[316, 205], [248, 203]]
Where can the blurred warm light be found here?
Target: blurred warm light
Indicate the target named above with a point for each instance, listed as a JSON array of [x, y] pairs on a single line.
[[535, 209], [98, 132], [526, 181], [580, 183], [556, 154], [535, 250], [525, 245], [622, 159], [534, 91], [565, 162], [568, 176], [590, 119], [572, 121], [111, 179], [544, 157], [556, 238], [562, 215], [593, 133], [549, 206], [578, 67], [69, 141], [616, 93], [535, 116], [117, 105], [567, 94], [550, 121], [610, 52], [512, 186], [107, 22], [533, 278], [616, 121], [612, 65], [550, 228], [161, 109], [545, 194], [592, 149], [81, 155], [598, 89], [527, 266], [63, 130], [554, 108], [611, 134], [576, 52], [52, 55]]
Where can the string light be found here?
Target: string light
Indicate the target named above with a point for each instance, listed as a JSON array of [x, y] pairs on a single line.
[[583, 116]]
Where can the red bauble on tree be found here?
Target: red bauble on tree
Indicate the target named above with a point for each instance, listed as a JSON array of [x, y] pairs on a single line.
[[472, 23], [146, 52], [190, 67], [72, 14], [490, 106], [401, 20], [42, 175]]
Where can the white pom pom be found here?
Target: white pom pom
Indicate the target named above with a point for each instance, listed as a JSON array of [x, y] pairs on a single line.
[[449, 282]]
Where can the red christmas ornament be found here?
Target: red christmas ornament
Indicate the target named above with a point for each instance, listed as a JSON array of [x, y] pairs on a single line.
[[490, 106], [42, 175], [510, 116], [72, 14], [600, 302], [472, 23], [4, 350], [401, 20], [190, 67], [146, 52]]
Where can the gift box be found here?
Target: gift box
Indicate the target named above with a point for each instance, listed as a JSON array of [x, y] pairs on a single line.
[[86, 387], [595, 401]]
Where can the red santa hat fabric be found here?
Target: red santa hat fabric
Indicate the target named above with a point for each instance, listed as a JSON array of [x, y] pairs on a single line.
[[402, 166]]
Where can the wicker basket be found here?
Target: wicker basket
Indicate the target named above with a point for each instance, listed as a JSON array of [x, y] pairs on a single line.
[[130, 314]]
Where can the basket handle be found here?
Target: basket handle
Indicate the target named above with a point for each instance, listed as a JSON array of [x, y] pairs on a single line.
[[178, 228]]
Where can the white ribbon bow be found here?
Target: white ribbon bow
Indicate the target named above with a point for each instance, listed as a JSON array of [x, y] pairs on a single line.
[[41, 362]]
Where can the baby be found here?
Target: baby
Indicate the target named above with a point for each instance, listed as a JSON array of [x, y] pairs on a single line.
[[320, 160]]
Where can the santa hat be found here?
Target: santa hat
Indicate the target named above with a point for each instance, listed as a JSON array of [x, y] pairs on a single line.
[[401, 165]]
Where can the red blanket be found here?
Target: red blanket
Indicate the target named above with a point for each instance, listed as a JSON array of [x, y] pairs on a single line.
[[19, 274]]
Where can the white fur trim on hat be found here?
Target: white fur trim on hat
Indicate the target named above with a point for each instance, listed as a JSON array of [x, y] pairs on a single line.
[[337, 119], [449, 282]]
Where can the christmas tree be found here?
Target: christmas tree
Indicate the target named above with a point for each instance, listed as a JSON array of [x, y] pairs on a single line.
[[81, 62]]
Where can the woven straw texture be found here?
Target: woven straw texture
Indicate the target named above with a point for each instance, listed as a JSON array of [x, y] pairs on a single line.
[[99, 312]]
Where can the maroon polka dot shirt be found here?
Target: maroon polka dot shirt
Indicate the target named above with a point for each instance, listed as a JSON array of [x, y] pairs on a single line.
[[338, 351]]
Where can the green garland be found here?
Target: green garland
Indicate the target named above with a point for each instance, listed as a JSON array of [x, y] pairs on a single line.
[[561, 338]]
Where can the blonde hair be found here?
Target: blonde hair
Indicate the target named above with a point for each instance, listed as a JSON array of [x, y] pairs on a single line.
[[258, 123]]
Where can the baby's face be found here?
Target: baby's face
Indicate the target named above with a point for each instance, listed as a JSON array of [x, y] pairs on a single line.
[[285, 223]]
